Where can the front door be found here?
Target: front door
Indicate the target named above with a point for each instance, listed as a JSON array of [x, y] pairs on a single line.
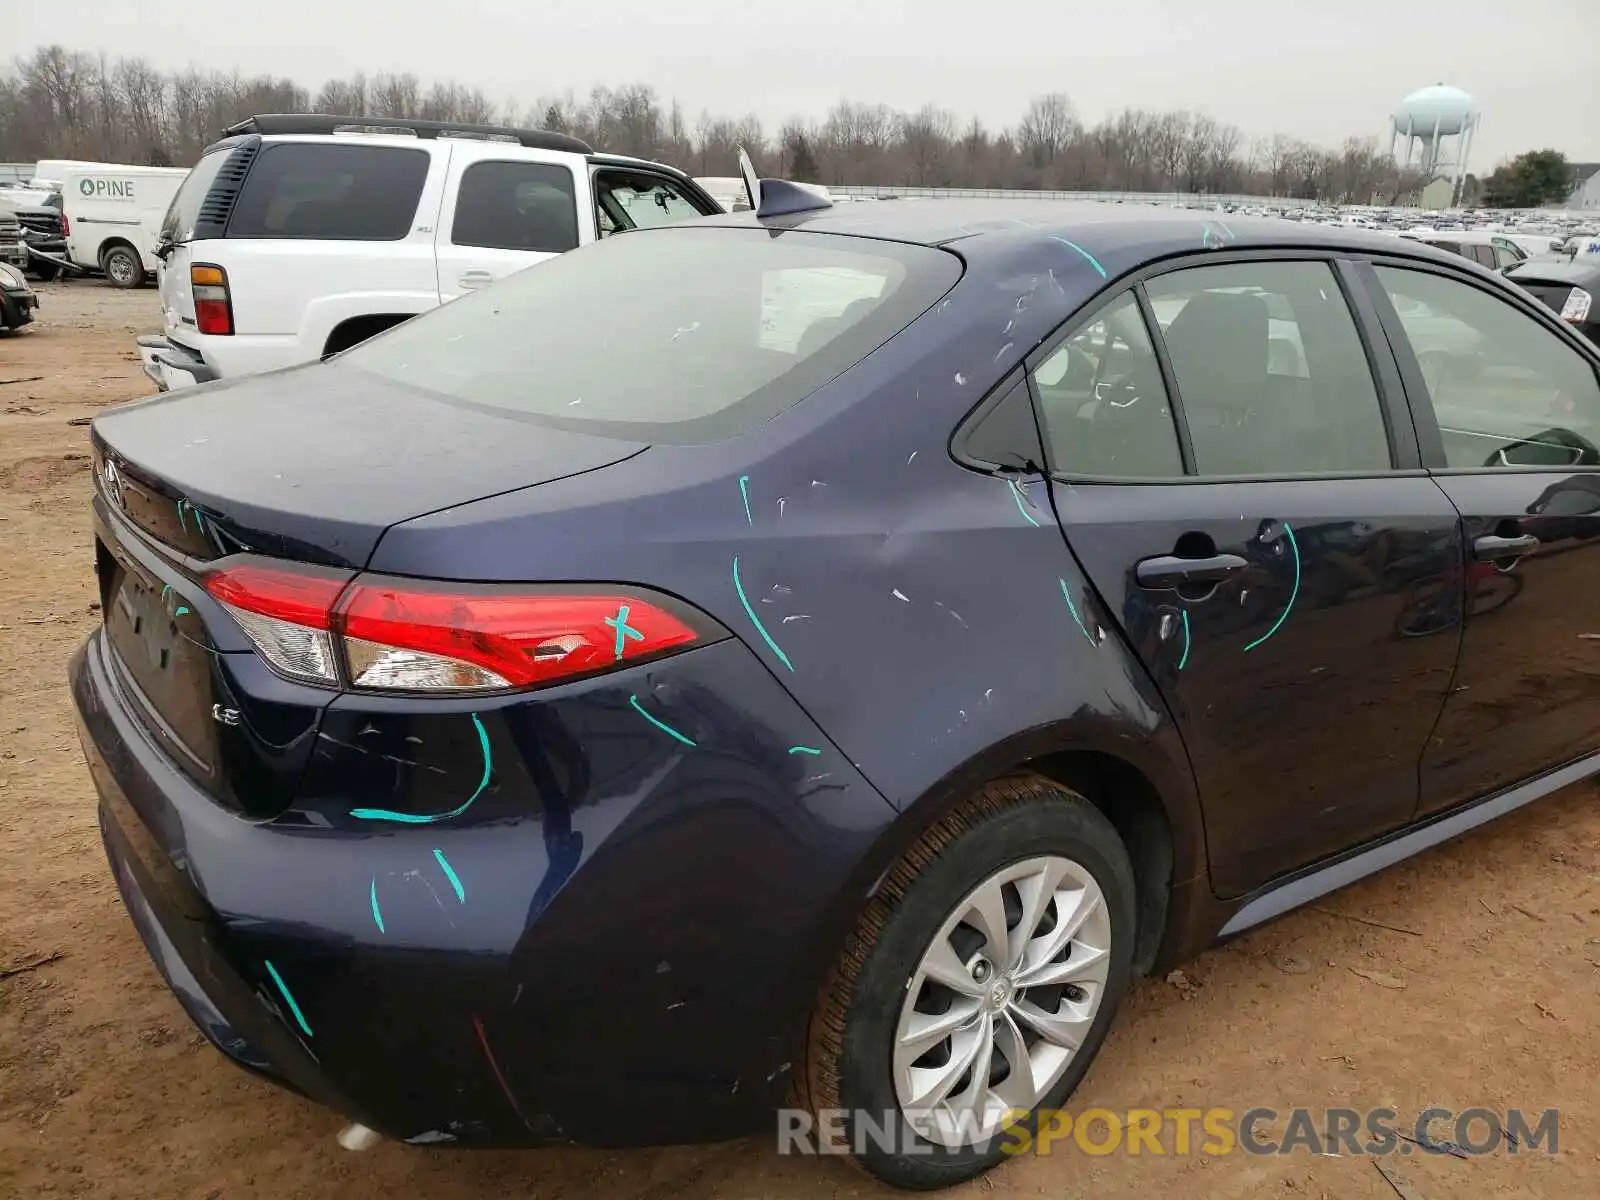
[[1231, 485], [1508, 410], [502, 214]]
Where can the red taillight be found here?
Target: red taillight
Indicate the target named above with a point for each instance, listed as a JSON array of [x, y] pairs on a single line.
[[66, 225], [213, 303], [392, 634]]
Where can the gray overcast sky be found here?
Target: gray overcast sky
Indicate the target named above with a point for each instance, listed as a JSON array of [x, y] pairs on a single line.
[[1319, 69]]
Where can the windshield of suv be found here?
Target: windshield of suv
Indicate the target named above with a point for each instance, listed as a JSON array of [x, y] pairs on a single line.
[[678, 334]]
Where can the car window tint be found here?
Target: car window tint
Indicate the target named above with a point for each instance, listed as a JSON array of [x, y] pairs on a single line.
[[1507, 392], [682, 334], [516, 206], [184, 211], [630, 201], [340, 193], [1270, 370], [1102, 402]]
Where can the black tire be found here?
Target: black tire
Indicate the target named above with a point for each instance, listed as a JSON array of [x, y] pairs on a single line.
[[851, 1038], [123, 266]]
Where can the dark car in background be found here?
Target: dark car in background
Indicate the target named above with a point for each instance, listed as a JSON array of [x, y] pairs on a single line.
[[44, 233], [830, 675], [1568, 288]]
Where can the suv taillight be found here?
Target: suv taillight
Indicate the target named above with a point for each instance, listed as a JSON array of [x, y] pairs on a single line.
[[66, 225], [213, 306], [385, 633]]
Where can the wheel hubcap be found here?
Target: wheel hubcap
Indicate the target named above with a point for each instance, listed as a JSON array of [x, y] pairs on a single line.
[[1001, 1000]]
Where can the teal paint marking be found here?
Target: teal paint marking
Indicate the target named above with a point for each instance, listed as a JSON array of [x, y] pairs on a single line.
[[1073, 609], [755, 620], [455, 881], [181, 524], [400, 818], [1091, 259], [1184, 613], [624, 630], [1016, 493], [661, 725], [804, 750], [180, 612], [377, 914], [299, 1016], [1294, 593], [166, 590], [744, 491]]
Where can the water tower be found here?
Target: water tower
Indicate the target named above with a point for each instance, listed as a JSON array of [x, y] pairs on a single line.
[[1437, 123]]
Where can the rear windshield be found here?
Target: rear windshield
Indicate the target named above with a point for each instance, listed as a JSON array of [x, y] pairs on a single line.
[[671, 335], [184, 211], [329, 192]]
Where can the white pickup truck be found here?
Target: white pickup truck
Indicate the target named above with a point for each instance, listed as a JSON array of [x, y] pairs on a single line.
[[297, 236]]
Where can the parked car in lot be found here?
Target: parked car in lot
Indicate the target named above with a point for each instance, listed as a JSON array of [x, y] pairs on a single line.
[[1495, 251], [824, 653], [17, 298], [13, 249], [1569, 288], [296, 237], [44, 234]]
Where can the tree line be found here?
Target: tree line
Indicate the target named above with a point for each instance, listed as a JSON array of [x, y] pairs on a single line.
[[59, 103]]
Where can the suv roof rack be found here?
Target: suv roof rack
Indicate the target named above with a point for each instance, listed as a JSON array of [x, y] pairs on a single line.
[[324, 123]]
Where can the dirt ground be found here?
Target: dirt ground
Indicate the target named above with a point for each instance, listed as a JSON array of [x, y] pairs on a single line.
[[1485, 993]]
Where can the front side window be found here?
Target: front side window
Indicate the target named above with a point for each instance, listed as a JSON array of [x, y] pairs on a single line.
[[1270, 370], [638, 200], [1102, 402], [516, 206], [679, 335], [325, 192], [1506, 391]]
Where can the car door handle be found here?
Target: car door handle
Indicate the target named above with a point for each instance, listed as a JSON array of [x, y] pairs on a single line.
[[1169, 571], [476, 279], [1492, 548]]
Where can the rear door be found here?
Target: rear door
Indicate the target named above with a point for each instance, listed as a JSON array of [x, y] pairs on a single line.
[[1508, 411], [507, 209], [1234, 469]]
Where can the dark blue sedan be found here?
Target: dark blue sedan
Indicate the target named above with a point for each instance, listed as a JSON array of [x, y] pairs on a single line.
[[815, 660]]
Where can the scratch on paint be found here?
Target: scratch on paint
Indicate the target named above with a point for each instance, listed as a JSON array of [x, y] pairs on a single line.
[[1294, 593], [953, 613], [1003, 351], [659, 724], [899, 595], [1017, 494], [803, 750], [383, 814], [1184, 660], [914, 453], [796, 617], [750, 612], [299, 1017], [377, 914], [1089, 258], [450, 874], [483, 1040], [961, 380], [744, 491], [1073, 609]]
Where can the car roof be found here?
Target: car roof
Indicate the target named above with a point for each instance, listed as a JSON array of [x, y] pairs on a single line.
[[1114, 238]]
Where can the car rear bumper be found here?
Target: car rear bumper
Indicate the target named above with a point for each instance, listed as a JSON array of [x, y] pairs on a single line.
[[628, 969], [171, 366]]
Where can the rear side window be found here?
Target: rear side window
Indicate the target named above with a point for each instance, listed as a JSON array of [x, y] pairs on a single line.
[[516, 206], [1506, 391], [184, 211], [680, 334], [1270, 370], [330, 192]]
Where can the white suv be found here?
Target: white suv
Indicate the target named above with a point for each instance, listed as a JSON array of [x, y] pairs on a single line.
[[296, 237]]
